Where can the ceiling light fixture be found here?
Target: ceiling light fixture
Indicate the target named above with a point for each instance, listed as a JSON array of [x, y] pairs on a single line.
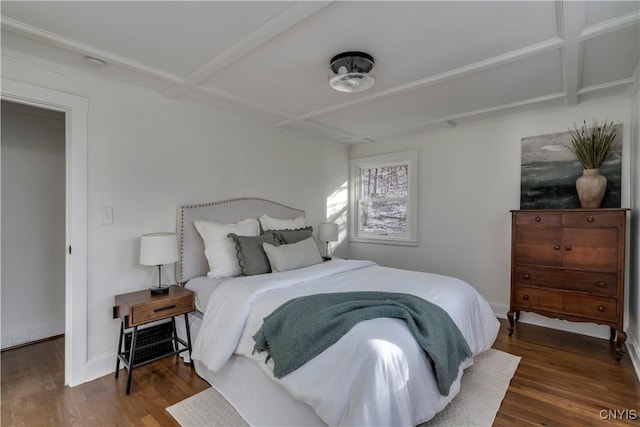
[[350, 72]]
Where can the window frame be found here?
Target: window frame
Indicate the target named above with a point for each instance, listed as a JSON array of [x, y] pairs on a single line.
[[410, 158]]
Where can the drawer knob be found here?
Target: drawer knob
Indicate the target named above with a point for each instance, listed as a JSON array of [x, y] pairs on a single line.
[[567, 248], [538, 219], [601, 308], [526, 276], [590, 219], [526, 297], [556, 248], [602, 284]]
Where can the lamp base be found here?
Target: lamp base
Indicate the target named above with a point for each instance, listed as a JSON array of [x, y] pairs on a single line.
[[159, 290]]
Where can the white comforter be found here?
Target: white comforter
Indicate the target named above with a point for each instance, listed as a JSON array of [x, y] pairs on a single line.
[[374, 375]]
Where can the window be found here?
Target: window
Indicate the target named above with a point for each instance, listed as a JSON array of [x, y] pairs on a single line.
[[384, 198]]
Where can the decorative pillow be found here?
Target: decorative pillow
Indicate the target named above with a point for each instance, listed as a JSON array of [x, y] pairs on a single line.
[[273, 233], [293, 256], [251, 256], [219, 249], [293, 236], [269, 223]]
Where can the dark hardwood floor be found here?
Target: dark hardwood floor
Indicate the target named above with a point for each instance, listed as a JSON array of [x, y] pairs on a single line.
[[33, 391], [566, 379], [563, 379]]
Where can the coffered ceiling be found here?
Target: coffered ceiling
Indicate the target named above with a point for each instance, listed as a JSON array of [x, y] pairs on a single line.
[[436, 63]]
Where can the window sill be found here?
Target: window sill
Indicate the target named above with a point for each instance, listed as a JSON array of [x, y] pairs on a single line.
[[384, 241]]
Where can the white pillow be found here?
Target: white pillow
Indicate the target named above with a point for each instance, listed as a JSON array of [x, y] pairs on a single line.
[[295, 255], [219, 249], [269, 223]]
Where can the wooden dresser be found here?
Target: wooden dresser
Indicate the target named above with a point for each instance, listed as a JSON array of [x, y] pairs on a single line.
[[569, 264]]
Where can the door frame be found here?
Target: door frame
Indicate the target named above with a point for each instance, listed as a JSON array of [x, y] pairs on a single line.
[[76, 118]]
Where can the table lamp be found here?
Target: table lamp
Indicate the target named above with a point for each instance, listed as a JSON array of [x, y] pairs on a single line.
[[327, 232], [158, 249]]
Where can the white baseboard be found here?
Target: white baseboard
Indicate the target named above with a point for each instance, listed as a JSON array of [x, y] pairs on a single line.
[[589, 329], [101, 366], [500, 310], [583, 328], [633, 349], [32, 333]]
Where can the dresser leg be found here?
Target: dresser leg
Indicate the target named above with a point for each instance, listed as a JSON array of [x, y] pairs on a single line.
[[620, 340], [511, 321], [612, 336]]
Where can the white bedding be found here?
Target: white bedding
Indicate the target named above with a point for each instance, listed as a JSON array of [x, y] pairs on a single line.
[[376, 374], [202, 287]]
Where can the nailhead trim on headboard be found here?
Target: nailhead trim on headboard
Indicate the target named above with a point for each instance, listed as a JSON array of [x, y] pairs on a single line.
[[180, 278]]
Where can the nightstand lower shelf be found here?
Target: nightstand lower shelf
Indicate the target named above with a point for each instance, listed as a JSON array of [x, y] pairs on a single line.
[[147, 345]]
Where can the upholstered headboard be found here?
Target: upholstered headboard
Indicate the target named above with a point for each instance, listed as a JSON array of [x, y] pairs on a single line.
[[192, 262]]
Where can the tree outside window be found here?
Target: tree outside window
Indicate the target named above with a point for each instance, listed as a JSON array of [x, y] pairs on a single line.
[[384, 203]]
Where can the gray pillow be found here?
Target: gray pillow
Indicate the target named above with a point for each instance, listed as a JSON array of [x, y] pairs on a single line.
[[293, 236], [291, 257], [251, 256]]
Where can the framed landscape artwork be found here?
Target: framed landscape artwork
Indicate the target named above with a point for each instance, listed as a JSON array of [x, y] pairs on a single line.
[[550, 170]]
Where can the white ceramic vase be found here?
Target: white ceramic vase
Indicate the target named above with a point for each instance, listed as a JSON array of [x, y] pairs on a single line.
[[591, 187]]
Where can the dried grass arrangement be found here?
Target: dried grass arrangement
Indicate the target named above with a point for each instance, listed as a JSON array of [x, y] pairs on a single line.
[[592, 145]]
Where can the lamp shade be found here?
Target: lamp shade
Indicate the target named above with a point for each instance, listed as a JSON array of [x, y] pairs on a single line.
[[328, 232], [158, 248]]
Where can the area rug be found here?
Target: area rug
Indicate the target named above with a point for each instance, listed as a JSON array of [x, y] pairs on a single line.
[[484, 385]]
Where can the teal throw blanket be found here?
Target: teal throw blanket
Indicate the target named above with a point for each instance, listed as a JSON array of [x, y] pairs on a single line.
[[302, 328]]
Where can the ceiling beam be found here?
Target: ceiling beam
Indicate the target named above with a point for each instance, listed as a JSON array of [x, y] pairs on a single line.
[[570, 21], [570, 16], [610, 25], [444, 121], [608, 85], [515, 55], [569, 40], [280, 23], [32, 32], [347, 136], [238, 100]]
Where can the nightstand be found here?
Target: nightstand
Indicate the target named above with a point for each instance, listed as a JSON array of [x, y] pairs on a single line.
[[146, 345]]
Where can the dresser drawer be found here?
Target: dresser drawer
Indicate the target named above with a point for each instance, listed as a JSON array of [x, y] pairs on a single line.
[[542, 219], [538, 246], [592, 249], [594, 283], [591, 219], [555, 301], [161, 309]]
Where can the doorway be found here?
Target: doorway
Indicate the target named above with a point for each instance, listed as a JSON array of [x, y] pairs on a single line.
[[33, 223], [75, 109]]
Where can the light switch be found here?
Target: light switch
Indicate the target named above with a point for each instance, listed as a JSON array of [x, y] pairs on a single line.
[[106, 215]]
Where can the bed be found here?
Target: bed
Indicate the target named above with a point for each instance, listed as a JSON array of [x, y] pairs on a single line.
[[376, 374]]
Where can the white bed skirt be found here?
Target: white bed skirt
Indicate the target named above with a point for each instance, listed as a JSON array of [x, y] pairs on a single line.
[[257, 398]]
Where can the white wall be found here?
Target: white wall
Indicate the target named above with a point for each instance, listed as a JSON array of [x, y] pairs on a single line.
[[148, 154], [33, 217], [469, 179], [633, 341]]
